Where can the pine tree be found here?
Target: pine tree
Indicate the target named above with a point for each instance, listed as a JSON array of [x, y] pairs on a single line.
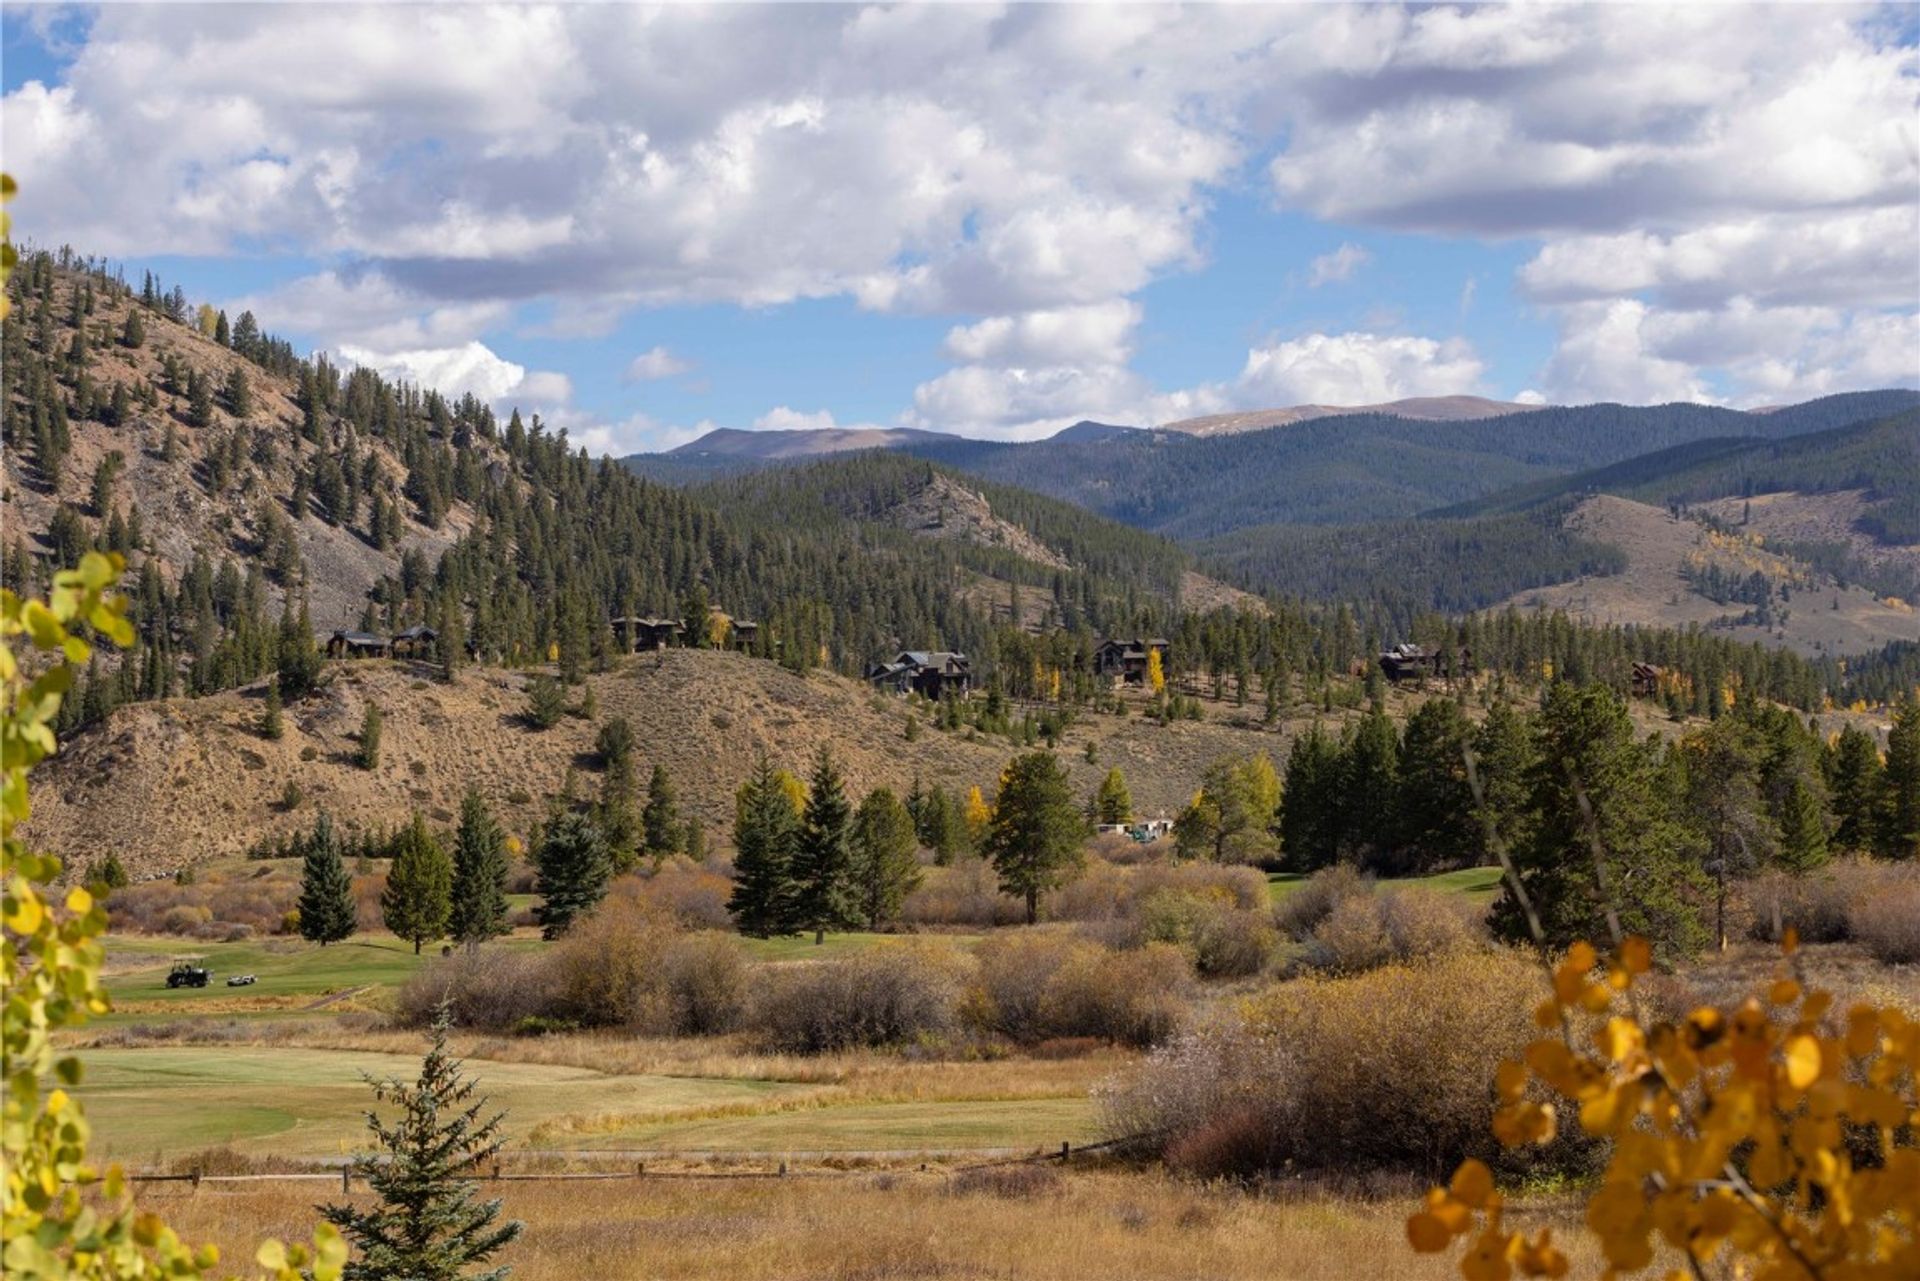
[[270, 726], [427, 1226], [546, 701], [1433, 806], [327, 910], [765, 828], [884, 868], [239, 393], [1372, 767], [1035, 837], [823, 897], [1310, 812], [1650, 860], [661, 820], [1803, 829], [298, 659], [368, 754], [572, 869], [479, 910], [419, 894], [1854, 785], [1113, 803], [1900, 795]]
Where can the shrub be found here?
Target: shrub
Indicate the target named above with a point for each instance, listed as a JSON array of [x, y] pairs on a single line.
[[693, 895], [607, 969], [706, 982], [1373, 927], [1887, 924], [882, 997], [965, 894], [1234, 943], [1384, 1070], [489, 988], [1313, 900], [1034, 987], [1814, 905]]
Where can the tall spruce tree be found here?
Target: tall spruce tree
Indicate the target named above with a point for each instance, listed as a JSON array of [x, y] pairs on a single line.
[[1627, 831], [765, 829], [660, 821], [419, 894], [327, 909], [884, 869], [1803, 829], [1035, 835], [1900, 795], [1113, 803], [823, 892], [1311, 809], [271, 727], [572, 867], [1433, 805], [479, 910], [427, 1225], [1854, 782]]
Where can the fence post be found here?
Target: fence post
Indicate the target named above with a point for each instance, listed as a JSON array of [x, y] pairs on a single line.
[[783, 1169], [639, 1169], [1066, 1147], [346, 1179], [196, 1178], [496, 1171]]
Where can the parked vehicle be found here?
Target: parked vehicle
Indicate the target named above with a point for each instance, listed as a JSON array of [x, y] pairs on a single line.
[[240, 980], [186, 974]]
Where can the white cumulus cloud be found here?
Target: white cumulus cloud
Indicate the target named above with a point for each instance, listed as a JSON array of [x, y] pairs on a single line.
[[653, 364], [1357, 369]]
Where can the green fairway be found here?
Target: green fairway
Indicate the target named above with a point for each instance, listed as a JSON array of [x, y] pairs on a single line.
[[171, 1099], [137, 967], [1481, 884]]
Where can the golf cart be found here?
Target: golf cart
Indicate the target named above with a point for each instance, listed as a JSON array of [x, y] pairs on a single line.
[[185, 973]]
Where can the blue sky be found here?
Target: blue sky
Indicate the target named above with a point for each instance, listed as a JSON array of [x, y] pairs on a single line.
[[647, 222]]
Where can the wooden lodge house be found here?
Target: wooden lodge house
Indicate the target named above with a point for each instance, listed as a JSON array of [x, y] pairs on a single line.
[[1646, 680], [933, 674], [638, 634], [416, 641], [352, 644], [1126, 660]]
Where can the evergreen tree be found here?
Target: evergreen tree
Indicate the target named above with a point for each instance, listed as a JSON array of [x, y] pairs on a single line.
[[479, 909], [546, 701], [1803, 829], [1372, 768], [419, 894], [1585, 747], [298, 659], [1503, 752], [1113, 803], [572, 867], [270, 726], [1854, 782], [1433, 806], [823, 892], [1035, 836], [239, 393], [661, 820], [134, 332], [884, 868], [327, 910], [1311, 809], [199, 399], [1900, 803], [1721, 764], [1231, 818], [765, 829], [368, 754], [427, 1225]]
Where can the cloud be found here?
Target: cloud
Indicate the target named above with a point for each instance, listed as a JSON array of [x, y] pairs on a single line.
[[1356, 369], [653, 364], [1336, 266], [1094, 333]]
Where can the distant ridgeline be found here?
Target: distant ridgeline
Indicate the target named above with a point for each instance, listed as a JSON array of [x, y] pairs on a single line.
[[245, 485]]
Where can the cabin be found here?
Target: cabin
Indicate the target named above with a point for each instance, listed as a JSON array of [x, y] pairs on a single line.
[[1407, 662], [638, 634], [346, 644], [417, 640], [930, 673], [741, 634], [1646, 680], [1126, 660]]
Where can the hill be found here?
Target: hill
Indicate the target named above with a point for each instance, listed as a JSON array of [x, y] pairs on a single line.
[[188, 780], [731, 442], [1421, 408], [1679, 573]]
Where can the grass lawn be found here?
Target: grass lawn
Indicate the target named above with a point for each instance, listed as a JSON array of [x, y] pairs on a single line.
[[853, 1127], [1481, 884], [137, 968], [801, 947]]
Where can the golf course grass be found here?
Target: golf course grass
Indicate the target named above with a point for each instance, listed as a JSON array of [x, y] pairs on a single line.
[[1480, 884]]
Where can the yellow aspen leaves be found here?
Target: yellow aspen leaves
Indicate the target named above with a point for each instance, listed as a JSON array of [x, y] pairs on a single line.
[[1775, 1139]]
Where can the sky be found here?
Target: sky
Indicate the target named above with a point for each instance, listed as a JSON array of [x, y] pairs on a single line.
[[644, 222]]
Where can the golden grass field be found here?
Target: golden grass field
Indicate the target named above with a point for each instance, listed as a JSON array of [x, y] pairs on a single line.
[[896, 1225]]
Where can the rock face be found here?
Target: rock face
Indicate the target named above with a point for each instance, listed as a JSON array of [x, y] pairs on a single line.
[[945, 509], [1426, 408]]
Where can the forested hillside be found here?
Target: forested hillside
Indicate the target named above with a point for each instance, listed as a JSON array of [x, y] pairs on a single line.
[[1361, 468]]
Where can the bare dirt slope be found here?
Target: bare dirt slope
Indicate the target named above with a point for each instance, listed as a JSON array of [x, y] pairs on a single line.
[[1812, 518], [946, 509], [185, 781], [1820, 617]]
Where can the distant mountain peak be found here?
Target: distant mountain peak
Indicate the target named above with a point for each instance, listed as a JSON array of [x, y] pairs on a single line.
[[734, 442], [1424, 408], [1089, 432]]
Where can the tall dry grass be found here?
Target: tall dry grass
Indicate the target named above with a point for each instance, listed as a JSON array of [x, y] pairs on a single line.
[[1873, 903]]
